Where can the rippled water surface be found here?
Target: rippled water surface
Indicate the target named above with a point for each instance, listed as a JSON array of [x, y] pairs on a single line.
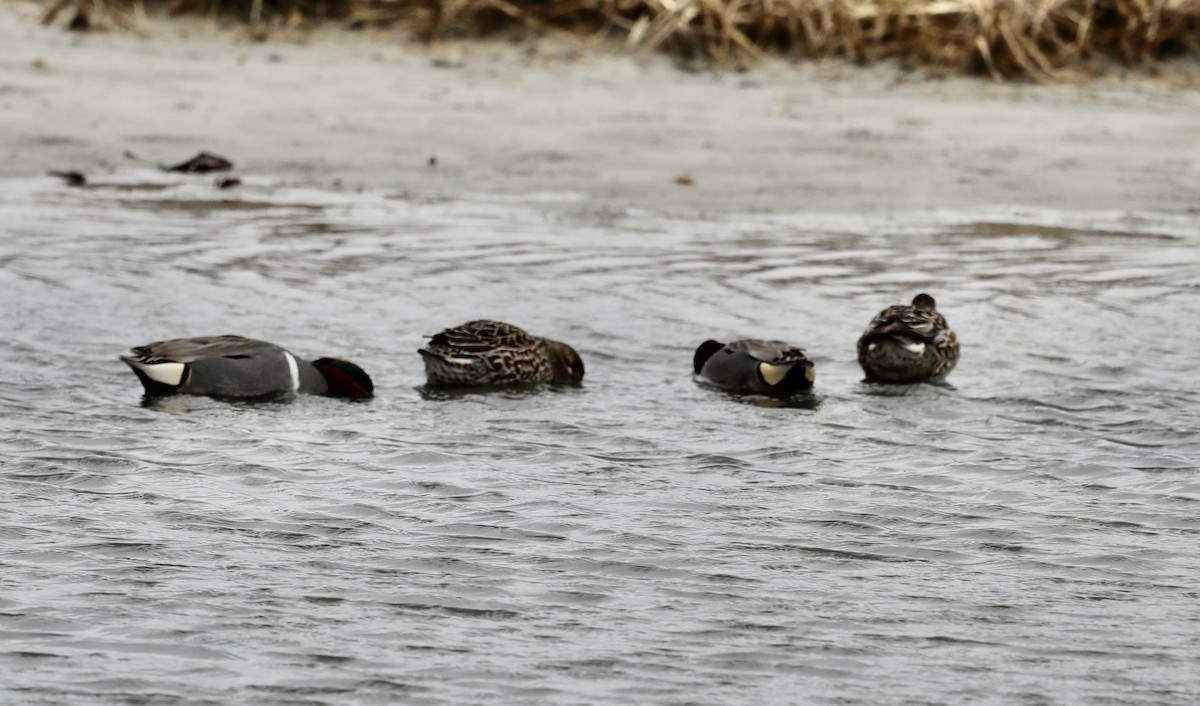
[[1028, 533]]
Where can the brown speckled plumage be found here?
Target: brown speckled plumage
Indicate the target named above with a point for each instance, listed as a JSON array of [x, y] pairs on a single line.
[[908, 344], [495, 353]]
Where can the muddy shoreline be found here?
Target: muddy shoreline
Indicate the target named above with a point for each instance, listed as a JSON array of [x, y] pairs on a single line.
[[588, 127]]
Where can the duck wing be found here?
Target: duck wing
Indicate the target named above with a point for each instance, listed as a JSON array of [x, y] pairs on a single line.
[[187, 350], [774, 352], [477, 338]]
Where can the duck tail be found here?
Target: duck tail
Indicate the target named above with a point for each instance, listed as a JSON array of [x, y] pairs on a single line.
[[442, 369], [163, 378]]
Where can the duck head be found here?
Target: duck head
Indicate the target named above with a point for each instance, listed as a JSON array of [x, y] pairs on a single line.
[[705, 351], [565, 360], [345, 379]]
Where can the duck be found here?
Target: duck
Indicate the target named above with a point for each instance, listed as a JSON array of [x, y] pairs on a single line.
[[486, 352], [234, 366], [906, 344], [755, 366]]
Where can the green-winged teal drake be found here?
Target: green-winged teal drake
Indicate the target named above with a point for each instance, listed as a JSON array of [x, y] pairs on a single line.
[[233, 366], [495, 353], [908, 344], [770, 368]]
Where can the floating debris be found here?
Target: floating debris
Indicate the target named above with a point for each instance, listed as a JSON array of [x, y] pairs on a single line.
[[228, 182], [72, 178], [685, 180], [201, 164]]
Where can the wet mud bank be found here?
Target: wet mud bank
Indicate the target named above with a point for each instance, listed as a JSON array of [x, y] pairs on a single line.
[[594, 129]]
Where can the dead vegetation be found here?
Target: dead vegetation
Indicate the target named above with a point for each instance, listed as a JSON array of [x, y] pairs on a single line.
[[1006, 39]]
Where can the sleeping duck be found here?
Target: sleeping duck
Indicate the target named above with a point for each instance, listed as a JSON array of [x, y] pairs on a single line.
[[908, 344], [752, 366]]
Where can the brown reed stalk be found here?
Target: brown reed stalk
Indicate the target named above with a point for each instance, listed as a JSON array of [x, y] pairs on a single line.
[[1005, 39]]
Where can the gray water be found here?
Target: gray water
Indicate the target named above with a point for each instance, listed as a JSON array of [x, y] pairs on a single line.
[[1025, 534]]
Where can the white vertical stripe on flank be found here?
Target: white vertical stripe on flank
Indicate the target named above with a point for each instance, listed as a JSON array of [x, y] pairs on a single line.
[[294, 370]]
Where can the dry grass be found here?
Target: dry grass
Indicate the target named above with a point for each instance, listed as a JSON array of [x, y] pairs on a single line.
[[1032, 39]]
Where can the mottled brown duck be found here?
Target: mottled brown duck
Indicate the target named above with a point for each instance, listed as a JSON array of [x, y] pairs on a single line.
[[495, 353], [910, 343]]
